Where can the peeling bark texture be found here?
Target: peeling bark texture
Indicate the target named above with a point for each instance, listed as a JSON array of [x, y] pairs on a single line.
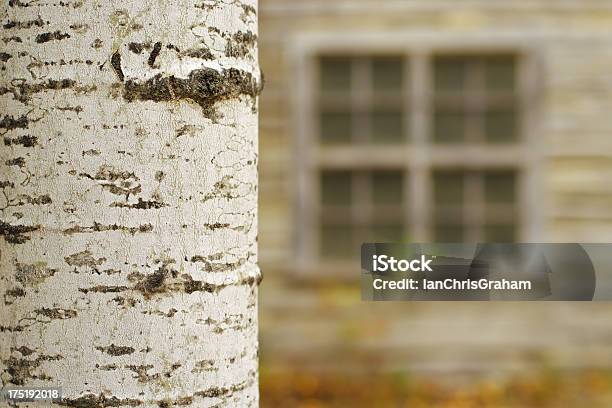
[[128, 212]]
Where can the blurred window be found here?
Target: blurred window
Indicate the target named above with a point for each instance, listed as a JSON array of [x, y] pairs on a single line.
[[416, 148]]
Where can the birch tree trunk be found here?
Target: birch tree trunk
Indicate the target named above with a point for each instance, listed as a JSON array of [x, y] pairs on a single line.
[[128, 172]]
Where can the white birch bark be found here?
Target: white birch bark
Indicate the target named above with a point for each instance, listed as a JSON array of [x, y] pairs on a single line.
[[128, 171]]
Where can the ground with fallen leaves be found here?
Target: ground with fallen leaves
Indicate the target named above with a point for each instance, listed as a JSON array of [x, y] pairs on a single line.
[[545, 389]]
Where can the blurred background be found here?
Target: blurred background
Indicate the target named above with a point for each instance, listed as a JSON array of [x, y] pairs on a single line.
[[430, 121]]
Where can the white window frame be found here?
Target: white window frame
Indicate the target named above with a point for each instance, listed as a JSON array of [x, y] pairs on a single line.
[[416, 156]]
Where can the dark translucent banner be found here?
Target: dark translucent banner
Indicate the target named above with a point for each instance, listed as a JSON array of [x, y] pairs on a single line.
[[569, 271]]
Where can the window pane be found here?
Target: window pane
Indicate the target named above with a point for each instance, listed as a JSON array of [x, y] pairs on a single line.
[[335, 127], [386, 127], [387, 75], [385, 233], [499, 74], [387, 187], [448, 188], [448, 233], [500, 126], [449, 74], [335, 75], [500, 187], [500, 233], [449, 127], [336, 188], [337, 242]]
